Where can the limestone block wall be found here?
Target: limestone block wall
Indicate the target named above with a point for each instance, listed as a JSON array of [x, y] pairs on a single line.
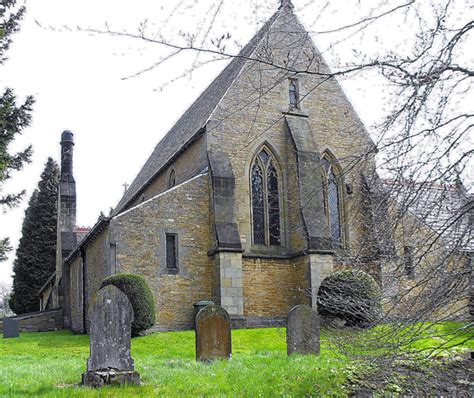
[[252, 113], [76, 295], [320, 267], [189, 164], [43, 321], [139, 234], [230, 282], [97, 267], [241, 139], [273, 286], [438, 288]]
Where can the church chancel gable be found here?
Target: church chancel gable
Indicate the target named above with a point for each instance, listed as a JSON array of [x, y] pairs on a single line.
[[240, 204]]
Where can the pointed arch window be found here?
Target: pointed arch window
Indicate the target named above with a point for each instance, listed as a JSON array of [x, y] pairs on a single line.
[[293, 93], [264, 183], [333, 198], [171, 179]]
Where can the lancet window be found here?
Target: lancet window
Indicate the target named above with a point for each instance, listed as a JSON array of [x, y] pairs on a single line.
[[333, 198], [171, 179], [265, 188], [293, 93]]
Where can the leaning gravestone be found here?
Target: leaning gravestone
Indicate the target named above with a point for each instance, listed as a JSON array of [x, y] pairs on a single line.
[[11, 328], [302, 331], [110, 361], [213, 338]]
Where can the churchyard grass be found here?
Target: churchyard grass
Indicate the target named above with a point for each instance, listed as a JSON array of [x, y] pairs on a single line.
[[50, 365]]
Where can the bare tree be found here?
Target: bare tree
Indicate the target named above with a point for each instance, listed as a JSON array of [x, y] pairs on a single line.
[[417, 211]]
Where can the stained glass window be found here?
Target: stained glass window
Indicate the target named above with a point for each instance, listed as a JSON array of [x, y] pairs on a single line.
[[258, 208], [332, 200], [264, 156], [326, 164], [273, 205], [265, 201], [333, 207], [293, 93]]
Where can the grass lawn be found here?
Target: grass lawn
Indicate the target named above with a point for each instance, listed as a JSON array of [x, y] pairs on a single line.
[[51, 364]]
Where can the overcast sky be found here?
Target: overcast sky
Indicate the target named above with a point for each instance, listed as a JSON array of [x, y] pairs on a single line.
[[78, 82]]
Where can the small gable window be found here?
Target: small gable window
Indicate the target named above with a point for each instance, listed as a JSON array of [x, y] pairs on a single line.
[[171, 252], [333, 198], [171, 179], [408, 258], [265, 200], [294, 93]]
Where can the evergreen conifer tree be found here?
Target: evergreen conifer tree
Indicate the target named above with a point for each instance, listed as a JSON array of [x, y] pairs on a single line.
[[36, 253], [13, 117]]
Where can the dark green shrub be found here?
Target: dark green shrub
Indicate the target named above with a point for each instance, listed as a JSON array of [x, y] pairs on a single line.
[[351, 295], [140, 296]]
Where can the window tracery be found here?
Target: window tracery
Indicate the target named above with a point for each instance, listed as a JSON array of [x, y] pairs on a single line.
[[333, 198], [265, 201]]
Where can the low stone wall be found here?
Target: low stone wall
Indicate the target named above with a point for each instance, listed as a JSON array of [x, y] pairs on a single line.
[[264, 322], [41, 321], [237, 322]]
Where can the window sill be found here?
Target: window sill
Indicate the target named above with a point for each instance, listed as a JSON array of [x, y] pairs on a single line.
[[294, 111], [172, 271], [257, 250]]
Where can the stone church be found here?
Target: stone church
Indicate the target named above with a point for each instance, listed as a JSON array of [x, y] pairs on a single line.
[[253, 197]]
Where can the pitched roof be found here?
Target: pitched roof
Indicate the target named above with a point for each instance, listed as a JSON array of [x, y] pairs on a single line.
[[193, 121], [446, 209]]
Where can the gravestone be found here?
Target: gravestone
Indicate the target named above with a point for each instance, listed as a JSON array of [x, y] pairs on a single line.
[[302, 331], [213, 337], [199, 305], [11, 328], [110, 361]]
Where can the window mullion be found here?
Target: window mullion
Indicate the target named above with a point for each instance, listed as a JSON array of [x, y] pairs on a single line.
[[325, 187], [265, 206]]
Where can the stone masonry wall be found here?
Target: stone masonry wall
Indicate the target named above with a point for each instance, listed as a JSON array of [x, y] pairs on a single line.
[[272, 287], [189, 164], [438, 286], [42, 321], [230, 282], [140, 237], [97, 267], [76, 295], [252, 113]]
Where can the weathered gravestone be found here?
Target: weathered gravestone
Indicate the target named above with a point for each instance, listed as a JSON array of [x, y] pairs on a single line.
[[213, 338], [302, 331], [11, 328], [110, 361]]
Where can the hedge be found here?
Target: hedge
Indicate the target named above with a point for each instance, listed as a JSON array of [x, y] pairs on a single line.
[[351, 295], [139, 293]]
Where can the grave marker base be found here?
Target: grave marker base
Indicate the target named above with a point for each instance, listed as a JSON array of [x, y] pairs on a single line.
[[110, 377]]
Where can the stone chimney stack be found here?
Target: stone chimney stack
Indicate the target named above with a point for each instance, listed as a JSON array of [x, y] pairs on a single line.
[[66, 235], [67, 186]]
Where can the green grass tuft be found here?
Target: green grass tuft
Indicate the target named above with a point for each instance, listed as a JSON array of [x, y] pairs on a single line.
[[51, 364]]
